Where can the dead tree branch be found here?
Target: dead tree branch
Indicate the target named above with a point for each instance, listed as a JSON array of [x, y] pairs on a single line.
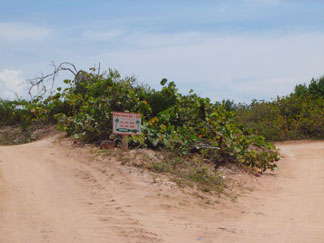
[[45, 83]]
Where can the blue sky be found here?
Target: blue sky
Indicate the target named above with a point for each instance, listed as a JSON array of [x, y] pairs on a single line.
[[241, 50]]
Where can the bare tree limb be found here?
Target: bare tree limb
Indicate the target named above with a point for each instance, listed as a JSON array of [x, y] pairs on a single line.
[[99, 69], [41, 82]]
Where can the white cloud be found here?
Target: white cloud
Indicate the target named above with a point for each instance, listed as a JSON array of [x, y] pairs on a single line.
[[11, 83], [263, 88], [241, 67], [147, 40], [95, 35], [21, 32]]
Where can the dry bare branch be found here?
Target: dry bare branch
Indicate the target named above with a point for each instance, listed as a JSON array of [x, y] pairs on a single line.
[[41, 82]]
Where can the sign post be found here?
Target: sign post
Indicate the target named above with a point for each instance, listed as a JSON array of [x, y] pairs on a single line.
[[126, 124], [124, 144]]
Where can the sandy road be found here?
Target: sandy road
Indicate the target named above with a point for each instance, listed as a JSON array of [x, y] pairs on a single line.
[[48, 197], [291, 209], [49, 193]]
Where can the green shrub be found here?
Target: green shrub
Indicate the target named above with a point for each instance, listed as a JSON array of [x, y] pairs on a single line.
[[15, 113], [180, 124], [297, 116]]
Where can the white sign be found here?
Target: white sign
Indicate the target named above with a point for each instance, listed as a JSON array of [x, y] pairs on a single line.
[[126, 123]]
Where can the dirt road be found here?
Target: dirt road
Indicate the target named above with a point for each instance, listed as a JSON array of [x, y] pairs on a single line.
[[53, 193]]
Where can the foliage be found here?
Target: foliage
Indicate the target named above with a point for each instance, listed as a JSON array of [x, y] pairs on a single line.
[[297, 116], [90, 101], [180, 124], [194, 124], [15, 113]]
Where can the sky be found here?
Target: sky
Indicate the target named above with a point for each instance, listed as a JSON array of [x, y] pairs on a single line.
[[222, 49]]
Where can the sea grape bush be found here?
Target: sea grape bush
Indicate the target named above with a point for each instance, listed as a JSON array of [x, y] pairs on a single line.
[[180, 124]]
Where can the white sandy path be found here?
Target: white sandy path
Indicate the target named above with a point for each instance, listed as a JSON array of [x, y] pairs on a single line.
[[291, 208], [48, 195]]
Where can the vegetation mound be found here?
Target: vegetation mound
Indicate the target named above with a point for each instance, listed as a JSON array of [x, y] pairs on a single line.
[[183, 127], [177, 123]]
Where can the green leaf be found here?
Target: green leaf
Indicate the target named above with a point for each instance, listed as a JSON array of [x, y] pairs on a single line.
[[163, 81]]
